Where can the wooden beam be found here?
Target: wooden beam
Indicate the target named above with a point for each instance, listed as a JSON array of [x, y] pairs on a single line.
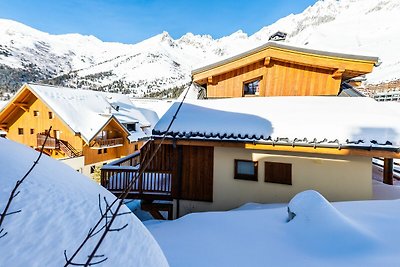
[[338, 74], [388, 171], [212, 80], [267, 61], [24, 106], [296, 57], [289, 148]]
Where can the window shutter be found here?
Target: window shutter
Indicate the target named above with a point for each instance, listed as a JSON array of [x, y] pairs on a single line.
[[280, 173]]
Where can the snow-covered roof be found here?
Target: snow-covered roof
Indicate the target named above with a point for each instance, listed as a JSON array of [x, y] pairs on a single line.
[[3, 104], [86, 111], [309, 120], [58, 207], [301, 49]]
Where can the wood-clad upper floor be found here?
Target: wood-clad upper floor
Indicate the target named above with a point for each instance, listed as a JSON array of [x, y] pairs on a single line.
[[275, 69], [27, 119]]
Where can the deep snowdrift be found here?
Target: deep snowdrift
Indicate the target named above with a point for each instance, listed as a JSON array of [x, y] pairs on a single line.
[[58, 207], [359, 233]]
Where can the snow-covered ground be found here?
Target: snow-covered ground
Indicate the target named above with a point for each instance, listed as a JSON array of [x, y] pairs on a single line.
[[58, 207], [358, 233]]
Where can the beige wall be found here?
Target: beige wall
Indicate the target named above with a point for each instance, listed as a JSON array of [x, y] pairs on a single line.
[[336, 178], [75, 163]]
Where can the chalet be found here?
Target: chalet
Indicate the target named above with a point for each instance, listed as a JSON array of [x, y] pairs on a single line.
[[219, 154], [277, 69], [89, 128]]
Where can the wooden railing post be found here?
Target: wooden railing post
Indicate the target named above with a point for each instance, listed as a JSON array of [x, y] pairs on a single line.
[[388, 171]]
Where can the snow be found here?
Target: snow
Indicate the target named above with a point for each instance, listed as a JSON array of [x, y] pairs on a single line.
[[58, 207], [302, 120], [94, 109], [3, 104], [357, 233]]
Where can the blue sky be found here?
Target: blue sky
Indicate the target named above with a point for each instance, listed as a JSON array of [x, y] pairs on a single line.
[[135, 20]]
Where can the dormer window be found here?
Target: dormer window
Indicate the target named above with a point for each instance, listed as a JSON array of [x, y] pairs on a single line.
[[131, 127], [251, 87]]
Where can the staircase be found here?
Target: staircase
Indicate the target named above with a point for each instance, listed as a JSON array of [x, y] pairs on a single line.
[[155, 208], [69, 150]]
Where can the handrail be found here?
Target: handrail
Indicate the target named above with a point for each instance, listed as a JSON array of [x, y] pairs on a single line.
[[51, 142], [116, 175], [109, 142]]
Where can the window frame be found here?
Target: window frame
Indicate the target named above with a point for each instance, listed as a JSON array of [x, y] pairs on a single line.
[[247, 177], [259, 79], [271, 168]]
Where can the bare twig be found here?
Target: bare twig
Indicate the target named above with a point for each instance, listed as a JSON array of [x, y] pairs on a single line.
[[15, 192]]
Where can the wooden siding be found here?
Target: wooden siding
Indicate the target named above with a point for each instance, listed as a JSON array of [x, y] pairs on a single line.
[[197, 173], [191, 166], [20, 114], [282, 73], [277, 79], [26, 120]]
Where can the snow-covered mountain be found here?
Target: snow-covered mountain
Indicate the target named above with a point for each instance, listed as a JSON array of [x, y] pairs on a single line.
[[159, 63]]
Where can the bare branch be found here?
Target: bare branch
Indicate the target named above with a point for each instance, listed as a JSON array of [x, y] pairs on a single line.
[[15, 192], [118, 229]]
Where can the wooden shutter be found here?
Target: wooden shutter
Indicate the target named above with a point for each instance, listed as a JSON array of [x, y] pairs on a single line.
[[280, 173]]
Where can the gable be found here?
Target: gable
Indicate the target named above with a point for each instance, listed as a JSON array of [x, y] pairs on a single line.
[[282, 70]]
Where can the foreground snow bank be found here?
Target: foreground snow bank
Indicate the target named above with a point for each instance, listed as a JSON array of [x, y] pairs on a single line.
[[358, 233], [316, 222], [58, 207]]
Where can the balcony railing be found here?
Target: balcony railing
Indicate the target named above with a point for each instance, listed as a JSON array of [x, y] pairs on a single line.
[[51, 142], [109, 142], [54, 143], [118, 175]]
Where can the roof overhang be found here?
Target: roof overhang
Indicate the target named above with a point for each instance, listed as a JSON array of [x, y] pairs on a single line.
[[334, 149], [351, 65]]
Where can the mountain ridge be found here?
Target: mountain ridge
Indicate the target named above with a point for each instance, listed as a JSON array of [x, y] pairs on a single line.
[[158, 64]]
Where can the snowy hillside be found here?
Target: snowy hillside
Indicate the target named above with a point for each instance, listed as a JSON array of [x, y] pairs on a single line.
[[367, 27], [58, 207]]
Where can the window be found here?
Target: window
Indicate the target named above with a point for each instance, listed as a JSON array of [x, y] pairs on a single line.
[[280, 173], [99, 151], [50, 115], [136, 147], [131, 127], [20, 131], [246, 170], [32, 131], [251, 87], [92, 168], [36, 113], [105, 150]]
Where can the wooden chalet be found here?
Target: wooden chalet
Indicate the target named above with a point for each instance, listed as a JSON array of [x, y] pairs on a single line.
[[220, 154], [276, 69], [89, 128]]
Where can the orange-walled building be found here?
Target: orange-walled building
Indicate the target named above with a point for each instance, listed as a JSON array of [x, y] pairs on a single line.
[[88, 128]]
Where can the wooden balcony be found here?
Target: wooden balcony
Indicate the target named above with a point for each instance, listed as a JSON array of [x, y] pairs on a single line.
[[51, 142], [54, 143], [124, 173], [112, 142]]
